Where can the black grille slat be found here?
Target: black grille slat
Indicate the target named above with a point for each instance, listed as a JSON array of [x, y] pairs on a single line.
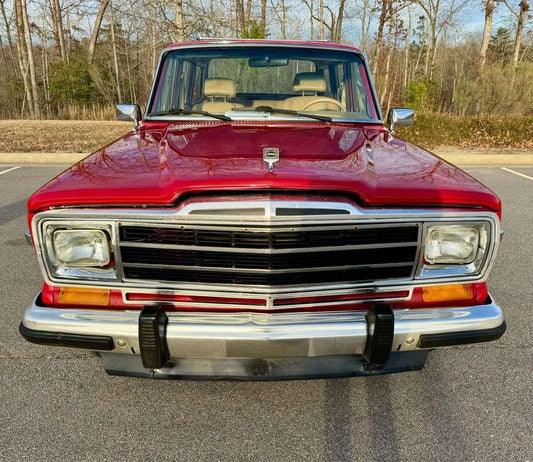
[[360, 275], [265, 261], [236, 259], [260, 240]]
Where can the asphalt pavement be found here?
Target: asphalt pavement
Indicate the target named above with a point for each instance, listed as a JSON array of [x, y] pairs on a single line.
[[471, 403]]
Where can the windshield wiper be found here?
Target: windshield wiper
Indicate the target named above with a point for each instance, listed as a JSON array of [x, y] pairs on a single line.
[[292, 112], [181, 111]]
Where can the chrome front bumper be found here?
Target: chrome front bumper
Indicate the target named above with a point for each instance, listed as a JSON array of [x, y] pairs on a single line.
[[261, 335]]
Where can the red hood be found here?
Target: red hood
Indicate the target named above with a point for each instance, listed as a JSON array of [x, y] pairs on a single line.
[[157, 167]]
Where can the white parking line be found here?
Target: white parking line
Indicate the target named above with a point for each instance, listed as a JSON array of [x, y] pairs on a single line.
[[517, 173], [10, 170]]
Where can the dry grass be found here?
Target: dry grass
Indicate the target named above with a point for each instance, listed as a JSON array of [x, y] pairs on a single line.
[[430, 130], [504, 132], [58, 135]]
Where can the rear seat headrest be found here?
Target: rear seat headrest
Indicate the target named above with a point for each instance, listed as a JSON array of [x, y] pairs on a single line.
[[309, 81], [219, 87]]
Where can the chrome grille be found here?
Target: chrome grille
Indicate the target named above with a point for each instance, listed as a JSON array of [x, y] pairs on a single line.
[[266, 256]]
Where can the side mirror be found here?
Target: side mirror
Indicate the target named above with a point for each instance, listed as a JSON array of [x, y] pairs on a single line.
[[400, 117], [127, 112]]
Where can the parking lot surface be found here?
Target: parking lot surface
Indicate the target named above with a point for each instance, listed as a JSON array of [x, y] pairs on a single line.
[[469, 403]]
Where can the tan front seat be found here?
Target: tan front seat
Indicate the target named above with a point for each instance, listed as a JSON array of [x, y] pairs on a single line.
[[217, 92], [310, 82]]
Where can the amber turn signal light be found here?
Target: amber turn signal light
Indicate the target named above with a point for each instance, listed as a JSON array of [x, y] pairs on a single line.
[[83, 296], [447, 293]]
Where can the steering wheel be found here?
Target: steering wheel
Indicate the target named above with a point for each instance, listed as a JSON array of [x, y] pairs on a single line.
[[324, 100]]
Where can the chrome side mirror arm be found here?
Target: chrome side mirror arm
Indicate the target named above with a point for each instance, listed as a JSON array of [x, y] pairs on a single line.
[[127, 112], [400, 117]]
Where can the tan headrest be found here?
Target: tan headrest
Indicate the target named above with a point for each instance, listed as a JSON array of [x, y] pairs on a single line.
[[219, 87], [309, 81]]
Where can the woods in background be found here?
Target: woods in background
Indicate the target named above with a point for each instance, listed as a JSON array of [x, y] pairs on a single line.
[[78, 58]]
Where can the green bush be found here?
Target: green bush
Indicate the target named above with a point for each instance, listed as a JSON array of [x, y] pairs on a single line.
[[70, 83]]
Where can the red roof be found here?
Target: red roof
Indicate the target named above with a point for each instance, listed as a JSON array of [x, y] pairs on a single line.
[[266, 43]]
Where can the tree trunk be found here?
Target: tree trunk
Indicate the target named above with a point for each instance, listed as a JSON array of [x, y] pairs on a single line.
[[524, 8], [57, 18], [406, 60], [6, 22], [312, 21], [31, 60], [22, 55], [263, 17], [385, 87], [379, 35], [178, 22], [362, 41], [96, 30], [340, 18], [115, 55], [489, 12], [239, 6], [321, 19], [433, 54], [248, 15], [283, 25]]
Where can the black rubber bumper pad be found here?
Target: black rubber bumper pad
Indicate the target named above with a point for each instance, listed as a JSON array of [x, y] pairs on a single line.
[[461, 338], [89, 342]]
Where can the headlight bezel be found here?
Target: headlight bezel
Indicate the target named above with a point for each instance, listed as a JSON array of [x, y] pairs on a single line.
[[59, 272], [474, 269], [109, 220]]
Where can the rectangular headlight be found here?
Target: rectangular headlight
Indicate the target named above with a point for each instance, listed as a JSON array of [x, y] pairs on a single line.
[[453, 244], [453, 250], [78, 250], [81, 247]]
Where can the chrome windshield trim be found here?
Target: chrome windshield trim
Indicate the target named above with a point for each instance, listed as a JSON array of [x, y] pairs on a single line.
[[272, 118]]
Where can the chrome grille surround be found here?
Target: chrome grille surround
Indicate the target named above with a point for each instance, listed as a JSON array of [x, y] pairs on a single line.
[[258, 216]]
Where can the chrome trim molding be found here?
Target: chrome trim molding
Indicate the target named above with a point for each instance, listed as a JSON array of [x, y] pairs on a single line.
[[218, 335], [268, 301], [213, 215], [27, 237]]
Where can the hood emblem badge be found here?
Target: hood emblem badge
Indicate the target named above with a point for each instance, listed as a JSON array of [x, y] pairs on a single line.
[[270, 156]]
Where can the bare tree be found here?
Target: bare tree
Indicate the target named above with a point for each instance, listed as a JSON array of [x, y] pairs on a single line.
[[57, 21], [179, 22], [281, 16], [321, 19], [263, 17], [96, 30], [22, 55], [6, 24], [239, 9], [440, 14], [115, 55], [334, 25], [487, 29], [521, 17], [26, 57], [364, 11], [383, 16]]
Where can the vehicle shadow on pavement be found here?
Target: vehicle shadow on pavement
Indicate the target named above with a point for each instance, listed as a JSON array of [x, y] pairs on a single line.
[[337, 423], [382, 420], [12, 211]]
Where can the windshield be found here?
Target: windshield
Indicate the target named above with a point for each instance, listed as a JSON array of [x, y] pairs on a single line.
[[238, 80]]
